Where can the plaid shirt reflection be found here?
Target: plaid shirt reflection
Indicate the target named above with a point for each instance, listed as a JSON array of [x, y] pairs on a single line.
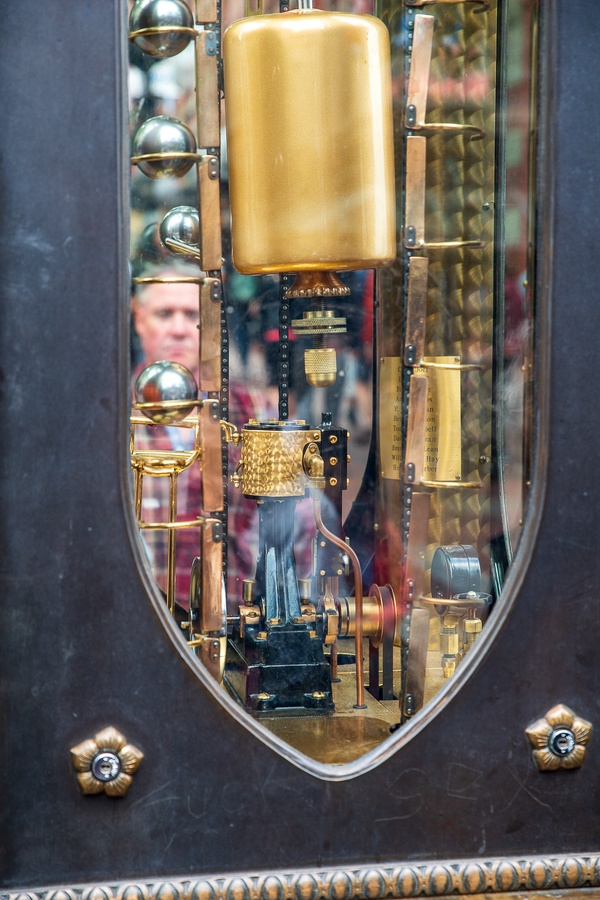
[[242, 541]]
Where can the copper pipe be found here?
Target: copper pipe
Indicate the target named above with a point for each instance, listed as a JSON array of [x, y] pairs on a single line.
[[333, 661], [358, 590]]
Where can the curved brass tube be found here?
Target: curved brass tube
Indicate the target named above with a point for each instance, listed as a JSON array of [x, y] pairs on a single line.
[[358, 590], [471, 131], [156, 157], [163, 29], [483, 5]]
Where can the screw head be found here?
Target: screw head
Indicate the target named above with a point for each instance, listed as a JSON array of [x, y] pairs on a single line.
[[561, 741], [106, 766]]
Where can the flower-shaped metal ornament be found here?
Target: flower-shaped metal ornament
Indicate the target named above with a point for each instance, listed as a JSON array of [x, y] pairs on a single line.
[[559, 740], [105, 763]]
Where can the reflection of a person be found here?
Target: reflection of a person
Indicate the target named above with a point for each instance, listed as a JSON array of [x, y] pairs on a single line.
[[166, 320]]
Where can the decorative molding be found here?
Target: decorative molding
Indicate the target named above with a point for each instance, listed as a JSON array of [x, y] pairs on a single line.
[[399, 880]]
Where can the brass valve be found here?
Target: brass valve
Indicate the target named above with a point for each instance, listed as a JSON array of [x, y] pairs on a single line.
[[314, 466], [449, 645], [472, 626]]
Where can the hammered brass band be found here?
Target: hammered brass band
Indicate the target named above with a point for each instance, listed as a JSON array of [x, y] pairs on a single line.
[[272, 461]]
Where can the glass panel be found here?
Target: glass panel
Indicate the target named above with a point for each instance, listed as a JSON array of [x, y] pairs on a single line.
[[332, 344]]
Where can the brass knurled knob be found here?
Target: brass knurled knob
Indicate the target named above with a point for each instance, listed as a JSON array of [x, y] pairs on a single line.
[[320, 366]]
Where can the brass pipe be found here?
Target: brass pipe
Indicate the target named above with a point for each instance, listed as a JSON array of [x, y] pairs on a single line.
[[358, 590], [163, 29], [171, 526], [156, 157], [171, 546], [137, 481]]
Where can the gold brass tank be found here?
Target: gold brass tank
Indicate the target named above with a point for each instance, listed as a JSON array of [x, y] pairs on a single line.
[[309, 142], [272, 457]]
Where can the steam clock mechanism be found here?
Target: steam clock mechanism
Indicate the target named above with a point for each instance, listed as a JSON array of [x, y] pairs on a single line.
[[332, 167]]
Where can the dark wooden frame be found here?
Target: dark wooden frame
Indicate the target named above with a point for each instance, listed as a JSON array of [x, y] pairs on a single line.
[[214, 810]]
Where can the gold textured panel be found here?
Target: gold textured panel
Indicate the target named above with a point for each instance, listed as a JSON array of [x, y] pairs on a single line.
[[272, 461]]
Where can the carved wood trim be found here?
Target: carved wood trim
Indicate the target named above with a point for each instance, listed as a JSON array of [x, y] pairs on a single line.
[[509, 876]]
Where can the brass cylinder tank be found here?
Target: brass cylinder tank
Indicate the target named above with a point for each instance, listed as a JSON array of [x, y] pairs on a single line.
[[309, 142], [272, 455]]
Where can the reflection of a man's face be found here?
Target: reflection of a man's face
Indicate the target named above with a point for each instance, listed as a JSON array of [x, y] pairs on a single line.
[[166, 320]]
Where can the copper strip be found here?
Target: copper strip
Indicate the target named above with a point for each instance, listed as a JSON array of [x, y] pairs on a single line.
[[415, 429], [210, 335], [210, 213], [210, 440], [418, 79], [205, 11], [416, 663], [207, 93], [211, 606], [415, 548], [416, 310], [414, 231]]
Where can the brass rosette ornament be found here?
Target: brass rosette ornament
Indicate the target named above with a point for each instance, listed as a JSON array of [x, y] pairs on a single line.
[[106, 763], [559, 739]]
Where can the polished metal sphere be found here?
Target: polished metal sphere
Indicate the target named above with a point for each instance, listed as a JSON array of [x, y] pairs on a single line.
[[147, 15], [160, 384], [182, 223], [163, 134], [149, 246]]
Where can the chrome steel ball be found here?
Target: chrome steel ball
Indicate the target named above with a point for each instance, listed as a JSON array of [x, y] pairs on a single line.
[[161, 384], [147, 15], [182, 223], [164, 135], [150, 247]]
